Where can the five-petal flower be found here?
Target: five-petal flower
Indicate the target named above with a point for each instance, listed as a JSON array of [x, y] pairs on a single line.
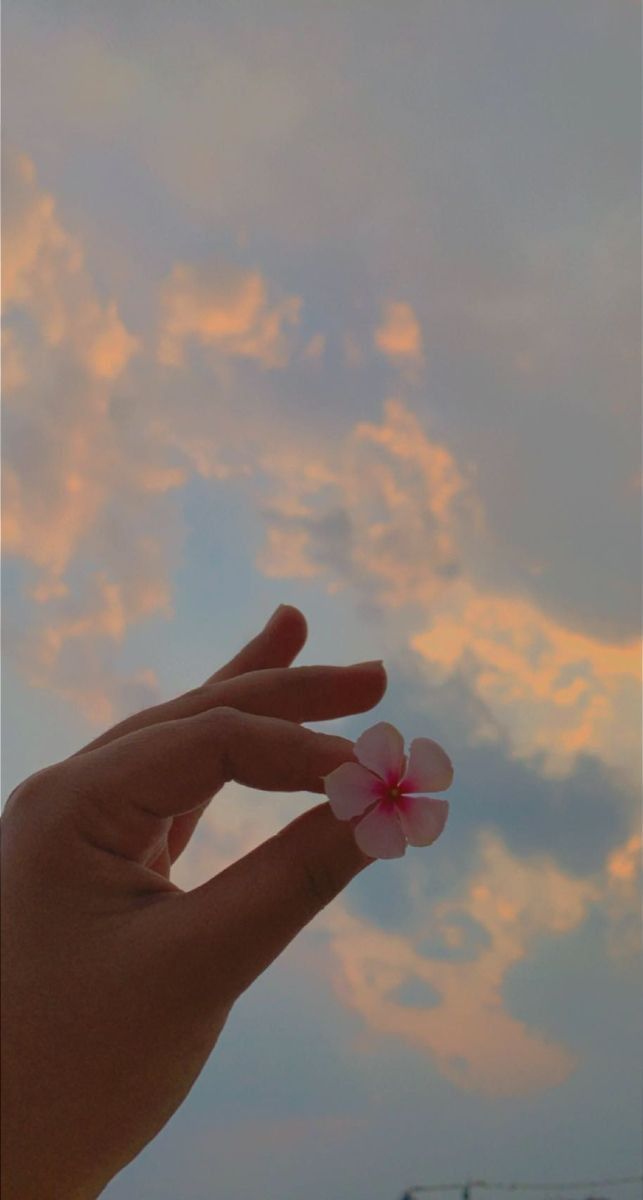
[[382, 787]]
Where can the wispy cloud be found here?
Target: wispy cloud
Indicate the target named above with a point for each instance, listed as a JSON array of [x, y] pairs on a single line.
[[392, 514], [380, 510], [66, 469], [226, 308], [468, 1031], [460, 950], [557, 693], [384, 509], [44, 275]]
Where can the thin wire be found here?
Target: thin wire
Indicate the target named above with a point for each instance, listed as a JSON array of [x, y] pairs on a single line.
[[481, 1183], [583, 1183]]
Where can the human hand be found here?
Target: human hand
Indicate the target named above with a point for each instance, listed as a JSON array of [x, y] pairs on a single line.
[[116, 983]]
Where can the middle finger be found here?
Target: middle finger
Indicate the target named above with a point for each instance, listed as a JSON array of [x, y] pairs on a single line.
[[304, 693], [317, 693]]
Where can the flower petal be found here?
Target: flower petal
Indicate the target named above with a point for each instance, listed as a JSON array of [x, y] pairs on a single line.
[[379, 833], [351, 789], [381, 749], [422, 818], [429, 770]]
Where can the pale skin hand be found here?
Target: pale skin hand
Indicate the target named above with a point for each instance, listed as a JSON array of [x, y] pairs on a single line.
[[116, 983]]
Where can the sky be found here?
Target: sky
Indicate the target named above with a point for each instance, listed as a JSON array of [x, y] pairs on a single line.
[[339, 305]]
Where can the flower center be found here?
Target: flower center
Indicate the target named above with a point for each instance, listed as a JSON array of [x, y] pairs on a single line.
[[394, 793]]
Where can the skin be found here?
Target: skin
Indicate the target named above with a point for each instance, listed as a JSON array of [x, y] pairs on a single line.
[[116, 983]]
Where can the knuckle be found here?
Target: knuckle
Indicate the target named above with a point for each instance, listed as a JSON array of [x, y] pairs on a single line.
[[224, 723], [35, 813], [320, 884], [225, 719], [33, 790], [197, 695]]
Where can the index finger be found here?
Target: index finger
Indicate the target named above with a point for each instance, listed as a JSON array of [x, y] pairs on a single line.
[[287, 631], [129, 787], [276, 645]]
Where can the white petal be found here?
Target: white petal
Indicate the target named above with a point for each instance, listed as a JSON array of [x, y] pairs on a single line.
[[381, 749], [379, 833], [422, 818], [351, 789], [429, 770]]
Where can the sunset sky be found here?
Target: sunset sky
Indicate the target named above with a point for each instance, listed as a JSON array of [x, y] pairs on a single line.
[[338, 305]]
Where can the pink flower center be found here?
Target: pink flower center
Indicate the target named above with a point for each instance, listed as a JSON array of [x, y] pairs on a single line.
[[394, 793]]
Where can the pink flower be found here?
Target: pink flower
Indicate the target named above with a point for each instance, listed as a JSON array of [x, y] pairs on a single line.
[[382, 786]]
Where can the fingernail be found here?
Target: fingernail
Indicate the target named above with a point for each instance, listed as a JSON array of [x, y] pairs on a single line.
[[375, 662], [274, 615]]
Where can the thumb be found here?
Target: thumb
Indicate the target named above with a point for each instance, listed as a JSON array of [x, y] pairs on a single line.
[[236, 924]]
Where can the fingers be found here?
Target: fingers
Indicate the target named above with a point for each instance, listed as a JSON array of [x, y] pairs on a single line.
[[296, 694], [317, 693], [248, 914], [131, 788], [278, 643]]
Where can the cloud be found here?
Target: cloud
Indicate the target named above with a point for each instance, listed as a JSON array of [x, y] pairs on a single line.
[[226, 308], [380, 510], [624, 871], [474, 1041], [58, 436], [70, 651], [90, 449], [555, 692], [496, 918], [14, 371], [385, 509], [43, 275], [314, 350], [71, 482], [399, 337], [390, 513]]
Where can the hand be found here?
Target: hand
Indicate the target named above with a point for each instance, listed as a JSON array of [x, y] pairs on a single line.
[[116, 983]]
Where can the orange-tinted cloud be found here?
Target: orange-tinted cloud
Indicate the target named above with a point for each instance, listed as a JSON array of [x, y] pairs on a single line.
[[67, 470], [557, 693], [391, 512], [462, 949], [226, 308], [396, 498], [623, 898], [468, 1032], [286, 554], [624, 863], [69, 652], [43, 274], [399, 336], [52, 496]]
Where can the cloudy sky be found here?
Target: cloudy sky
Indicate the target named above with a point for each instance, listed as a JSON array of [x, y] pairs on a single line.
[[338, 305]]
